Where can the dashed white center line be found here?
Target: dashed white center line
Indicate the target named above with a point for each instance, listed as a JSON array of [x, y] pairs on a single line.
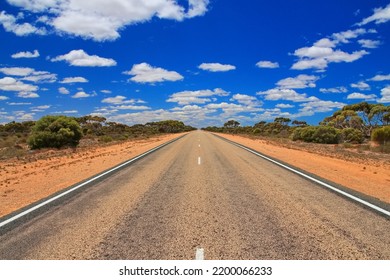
[[199, 145], [199, 255], [198, 160]]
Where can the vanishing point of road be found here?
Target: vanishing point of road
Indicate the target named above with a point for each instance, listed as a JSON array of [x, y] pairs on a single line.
[[201, 192]]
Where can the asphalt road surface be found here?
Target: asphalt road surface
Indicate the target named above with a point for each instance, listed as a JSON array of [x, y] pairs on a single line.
[[201, 192]]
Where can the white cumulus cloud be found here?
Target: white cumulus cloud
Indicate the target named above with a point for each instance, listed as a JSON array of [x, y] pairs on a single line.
[[81, 94], [114, 100], [380, 78], [284, 106], [216, 67], [40, 108], [381, 15], [334, 90], [385, 93], [17, 71], [358, 95], [131, 107], [247, 100], [26, 94], [145, 73], [267, 64], [11, 84], [63, 90], [361, 86], [26, 54], [301, 81], [369, 44], [345, 36], [196, 97], [81, 58], [197, 8], [286, 94], [71, 80], [10, 24], [319, 58], [319, 106], [121, 100], [41, 77], [101, 20], [324, 51], [29, 74]]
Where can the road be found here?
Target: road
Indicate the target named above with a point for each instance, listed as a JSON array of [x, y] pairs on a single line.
[[201, 192]]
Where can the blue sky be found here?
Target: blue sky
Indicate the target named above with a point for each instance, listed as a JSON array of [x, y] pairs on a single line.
[[199, 61]]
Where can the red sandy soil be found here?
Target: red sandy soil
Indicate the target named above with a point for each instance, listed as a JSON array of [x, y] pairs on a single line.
[[368, 173], [42, 173]]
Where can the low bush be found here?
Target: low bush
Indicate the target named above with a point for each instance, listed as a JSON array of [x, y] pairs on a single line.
[[55, 132], [256, 131], [381, 135], [351, 135], [326, 135], [317, 134], [296, 134], [307, 133]]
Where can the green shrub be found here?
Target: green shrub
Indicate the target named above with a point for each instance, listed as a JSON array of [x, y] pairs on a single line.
[[352, 135], [326, 135], [55, 132], [381, 135], [296, 135], [256, 131], [317, 134], [307, 133]]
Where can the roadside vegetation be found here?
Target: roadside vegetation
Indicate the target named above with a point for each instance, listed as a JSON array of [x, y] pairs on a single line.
[[360, 124], [17, 138]]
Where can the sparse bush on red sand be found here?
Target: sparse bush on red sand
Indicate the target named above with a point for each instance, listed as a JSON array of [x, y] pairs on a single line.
[[55, 132], [317, 134], [381, 135]]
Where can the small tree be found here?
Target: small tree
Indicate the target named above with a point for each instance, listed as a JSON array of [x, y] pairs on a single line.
[[283, 121], [55, 132], [92, 124], [299, 123], [231, 124]]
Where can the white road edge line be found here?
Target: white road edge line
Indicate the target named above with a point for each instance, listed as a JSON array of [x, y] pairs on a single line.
[[366, 203], [199, 255], [82, 184]]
